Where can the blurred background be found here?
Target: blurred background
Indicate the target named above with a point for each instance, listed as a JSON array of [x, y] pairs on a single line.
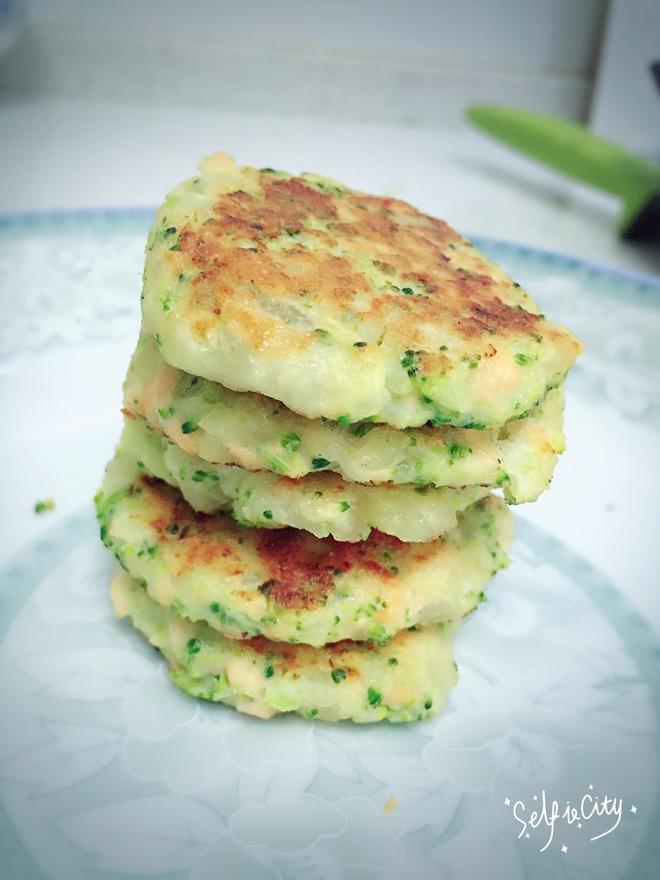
[[111, 103]]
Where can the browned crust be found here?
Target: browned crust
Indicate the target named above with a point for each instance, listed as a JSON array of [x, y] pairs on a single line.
[[236, 268], [303, 569], [287, 657], [197, 536]]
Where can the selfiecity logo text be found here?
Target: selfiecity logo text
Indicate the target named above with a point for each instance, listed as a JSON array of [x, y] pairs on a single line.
[[601, 812]]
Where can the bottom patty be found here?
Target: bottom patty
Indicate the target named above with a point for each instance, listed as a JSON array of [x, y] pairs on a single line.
[[407, 679]]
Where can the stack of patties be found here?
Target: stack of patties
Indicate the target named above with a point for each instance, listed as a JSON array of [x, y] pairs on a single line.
[[326, 389]]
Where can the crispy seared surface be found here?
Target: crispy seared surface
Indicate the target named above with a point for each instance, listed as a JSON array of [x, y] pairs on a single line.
[[408, 247], [342, 304]]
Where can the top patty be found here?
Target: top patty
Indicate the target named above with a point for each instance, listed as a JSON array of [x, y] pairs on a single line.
[[341, 304]]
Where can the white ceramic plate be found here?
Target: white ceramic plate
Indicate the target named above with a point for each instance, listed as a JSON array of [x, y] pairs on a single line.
[[107, 771]]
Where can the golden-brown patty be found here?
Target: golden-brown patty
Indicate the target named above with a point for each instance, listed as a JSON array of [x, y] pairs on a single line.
[[340, 304], [289, 585]]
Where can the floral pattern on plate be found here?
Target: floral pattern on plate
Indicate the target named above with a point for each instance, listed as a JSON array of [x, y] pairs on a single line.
[[104, 763]]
